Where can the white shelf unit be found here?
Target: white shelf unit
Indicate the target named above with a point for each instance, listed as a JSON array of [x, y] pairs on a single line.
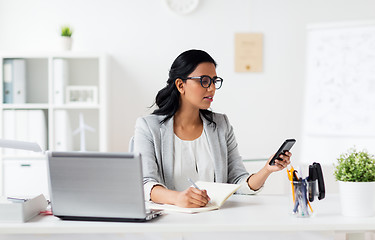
[[24, 173]]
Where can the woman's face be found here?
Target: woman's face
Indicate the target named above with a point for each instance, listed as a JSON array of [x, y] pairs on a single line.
[[193, 93]]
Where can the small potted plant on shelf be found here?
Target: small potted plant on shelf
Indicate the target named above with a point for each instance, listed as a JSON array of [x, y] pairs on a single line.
[[66, 37], [355, 172]]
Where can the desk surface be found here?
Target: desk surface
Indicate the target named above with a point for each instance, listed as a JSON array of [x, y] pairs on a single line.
[[239, 213]]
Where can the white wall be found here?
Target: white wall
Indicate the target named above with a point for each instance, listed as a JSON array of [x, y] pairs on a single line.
[[143, 38]]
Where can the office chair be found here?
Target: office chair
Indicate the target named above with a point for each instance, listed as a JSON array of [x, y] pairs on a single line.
[[131, 144]]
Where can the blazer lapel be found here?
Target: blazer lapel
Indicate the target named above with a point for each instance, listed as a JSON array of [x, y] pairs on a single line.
[[166, 133], [214, 144]]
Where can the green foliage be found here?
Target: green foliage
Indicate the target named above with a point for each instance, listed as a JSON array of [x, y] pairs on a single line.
[[66, 31], [355, 166]]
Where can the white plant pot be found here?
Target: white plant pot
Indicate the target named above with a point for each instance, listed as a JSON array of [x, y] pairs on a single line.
[[66, 43], [357, 198]]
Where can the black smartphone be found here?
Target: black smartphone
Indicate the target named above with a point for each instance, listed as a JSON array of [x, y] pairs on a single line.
[[285, 147]]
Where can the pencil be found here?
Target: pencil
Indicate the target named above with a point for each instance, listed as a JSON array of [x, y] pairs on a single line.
[[291, 182], [310, 206]]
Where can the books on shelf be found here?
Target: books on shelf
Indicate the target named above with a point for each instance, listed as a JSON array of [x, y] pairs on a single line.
[[14, 86], [218, 192], [60, 79], [24, 125]]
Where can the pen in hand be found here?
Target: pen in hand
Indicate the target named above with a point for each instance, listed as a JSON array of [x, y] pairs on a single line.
[[193, 183]]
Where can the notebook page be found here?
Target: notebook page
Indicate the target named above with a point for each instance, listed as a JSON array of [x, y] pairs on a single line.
[[218, 192]]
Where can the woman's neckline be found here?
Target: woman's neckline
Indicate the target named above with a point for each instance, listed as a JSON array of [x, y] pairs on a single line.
[[189, 140]]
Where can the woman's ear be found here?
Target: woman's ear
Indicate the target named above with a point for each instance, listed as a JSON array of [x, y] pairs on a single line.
[[180, 85]]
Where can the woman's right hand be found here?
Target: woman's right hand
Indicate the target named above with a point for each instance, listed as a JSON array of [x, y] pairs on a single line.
[[192, 198]]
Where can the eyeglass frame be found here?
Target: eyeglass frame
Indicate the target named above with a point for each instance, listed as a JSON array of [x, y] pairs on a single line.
[[212, 80]]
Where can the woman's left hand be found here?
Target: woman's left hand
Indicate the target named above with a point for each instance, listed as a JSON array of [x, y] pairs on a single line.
[[258, 179], [279, 165]]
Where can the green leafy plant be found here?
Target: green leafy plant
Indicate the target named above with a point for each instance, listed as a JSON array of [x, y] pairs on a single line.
[[66, 31], [355, 166]]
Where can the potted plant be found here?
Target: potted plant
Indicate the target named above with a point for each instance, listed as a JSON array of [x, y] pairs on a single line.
[[66, 37], [355, 172]]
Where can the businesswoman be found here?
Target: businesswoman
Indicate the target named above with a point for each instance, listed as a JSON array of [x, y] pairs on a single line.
[[183, 139]]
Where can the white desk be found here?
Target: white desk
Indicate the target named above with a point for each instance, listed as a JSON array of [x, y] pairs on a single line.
[[240, 215]]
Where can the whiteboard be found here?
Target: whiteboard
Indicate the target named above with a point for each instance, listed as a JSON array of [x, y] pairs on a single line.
[[339, 109]]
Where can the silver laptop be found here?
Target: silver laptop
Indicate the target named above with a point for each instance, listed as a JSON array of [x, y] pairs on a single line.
[[97, 186]]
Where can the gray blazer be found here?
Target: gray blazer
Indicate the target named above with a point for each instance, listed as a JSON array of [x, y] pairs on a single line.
[[155, 142]]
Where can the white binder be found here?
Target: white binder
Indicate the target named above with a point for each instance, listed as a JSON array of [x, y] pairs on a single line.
[[63, 133], [22, 129], [60, 79], [9, 129], [8, 81], [37, 128], [19, 81]]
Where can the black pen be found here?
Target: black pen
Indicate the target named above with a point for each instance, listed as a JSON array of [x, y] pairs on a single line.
[[295, 178], [17, 199]]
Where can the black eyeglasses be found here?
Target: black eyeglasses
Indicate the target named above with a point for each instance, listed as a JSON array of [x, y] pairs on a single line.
[[206, 81]]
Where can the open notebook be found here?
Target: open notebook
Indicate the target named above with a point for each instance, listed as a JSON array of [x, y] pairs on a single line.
[[218, 192]]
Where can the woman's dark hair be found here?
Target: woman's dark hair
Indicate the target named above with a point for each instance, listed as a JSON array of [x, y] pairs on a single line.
[[168, 98]]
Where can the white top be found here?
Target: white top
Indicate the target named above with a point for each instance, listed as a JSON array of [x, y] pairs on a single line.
[[192, 159], [189, 164]]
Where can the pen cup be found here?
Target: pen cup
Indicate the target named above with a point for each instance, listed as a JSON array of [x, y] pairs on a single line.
[[301, 206]]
